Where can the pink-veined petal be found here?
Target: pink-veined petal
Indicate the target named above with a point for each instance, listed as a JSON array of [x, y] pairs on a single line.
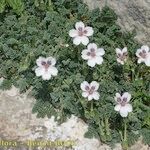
[[94, 84], [84, 54], [127, 96], [40, 60], [83, 85], [89, 31], [92, 46], [117, 96], [52, 60]]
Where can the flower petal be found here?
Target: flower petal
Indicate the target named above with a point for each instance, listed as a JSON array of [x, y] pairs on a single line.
[[46, 76], [83, 85], [145, 47], [118, 51], [89, 30], [84, 40], [73, 33], [117, 96], [53, 71], [96, 95], [40, 60], [100, 52], [124, 50], [79, 25], [85, 94], [52, 60], [126, 95], [120, 61], [90, 97], [124, 111], [99, 60], [129, 107], [95, 84], [39, 71], [77, 40], [91, 62], [147, 61], [117, 107], [137, 52], [140, 60], [92, 46]]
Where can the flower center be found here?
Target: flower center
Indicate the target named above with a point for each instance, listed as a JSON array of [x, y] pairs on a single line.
[[92, 53], [46, 64], [123, 56], [81, 31], [124, 101], [143, 54], [91, 90]]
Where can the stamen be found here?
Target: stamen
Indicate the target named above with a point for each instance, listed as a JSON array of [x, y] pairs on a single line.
[[43, 63], [80, 31], [91, 90], [87, 88]]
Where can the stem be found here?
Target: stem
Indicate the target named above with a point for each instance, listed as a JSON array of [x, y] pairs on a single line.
[[107, 126], [91, 106], [125, 141], [125, 131], [132, 72]]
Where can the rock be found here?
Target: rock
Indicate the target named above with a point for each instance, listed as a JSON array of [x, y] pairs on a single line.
[[132, 15]]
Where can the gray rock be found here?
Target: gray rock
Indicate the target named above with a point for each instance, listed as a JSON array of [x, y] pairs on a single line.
[[132, 15]]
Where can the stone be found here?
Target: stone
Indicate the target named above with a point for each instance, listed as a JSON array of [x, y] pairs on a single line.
[[133, 15]]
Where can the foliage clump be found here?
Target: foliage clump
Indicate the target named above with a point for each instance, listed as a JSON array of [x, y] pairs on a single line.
[[43, 31]]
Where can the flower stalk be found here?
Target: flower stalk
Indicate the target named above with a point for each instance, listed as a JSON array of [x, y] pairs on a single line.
[[125, 141]]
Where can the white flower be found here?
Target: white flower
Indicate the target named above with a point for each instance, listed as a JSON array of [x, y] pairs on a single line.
[[46, 67], [143, 55], [93, 55], [122, 55], [123, 105], [81, 33], [90, 90]]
